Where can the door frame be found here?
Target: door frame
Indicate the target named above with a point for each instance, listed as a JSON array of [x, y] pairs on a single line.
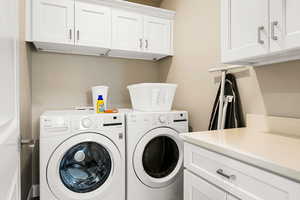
[[11, 136]]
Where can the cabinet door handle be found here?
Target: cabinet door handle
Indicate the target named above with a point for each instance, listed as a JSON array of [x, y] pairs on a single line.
[[259, 30], [147, 44], [78, 35], [221, 172], [141, 43], [70, 34], [273, 25]]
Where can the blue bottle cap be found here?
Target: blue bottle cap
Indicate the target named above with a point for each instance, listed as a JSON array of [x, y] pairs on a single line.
[[100, 97]]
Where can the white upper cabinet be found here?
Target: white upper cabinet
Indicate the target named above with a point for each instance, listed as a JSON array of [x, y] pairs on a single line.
[[92, 25], [157, 35], [127, 30], [111, 28], [284, 24], [260, 32], [244, 29], [142, 36], [53, 20]]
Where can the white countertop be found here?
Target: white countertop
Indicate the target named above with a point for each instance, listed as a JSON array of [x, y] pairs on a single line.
[[271, 152]]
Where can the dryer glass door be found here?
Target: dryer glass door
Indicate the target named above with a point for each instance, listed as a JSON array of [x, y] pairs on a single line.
[[160, 157], [85, 167]]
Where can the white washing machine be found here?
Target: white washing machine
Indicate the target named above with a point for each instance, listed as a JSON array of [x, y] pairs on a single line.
[[155, 155], [82, 156]]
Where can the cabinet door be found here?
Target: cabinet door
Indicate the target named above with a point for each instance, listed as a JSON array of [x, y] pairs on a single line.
[[157, 35], [53, 21], [244, 29], [92, 25], [284, 24], [195, 188], [127, 30]]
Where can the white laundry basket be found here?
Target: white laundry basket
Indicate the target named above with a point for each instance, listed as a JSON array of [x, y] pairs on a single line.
[[152, 96]]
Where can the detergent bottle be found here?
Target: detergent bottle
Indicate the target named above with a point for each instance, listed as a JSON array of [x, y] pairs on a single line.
[[100, 105]]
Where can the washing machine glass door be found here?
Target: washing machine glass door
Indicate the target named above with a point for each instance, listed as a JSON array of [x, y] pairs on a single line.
[[158, 157], [84, 167]]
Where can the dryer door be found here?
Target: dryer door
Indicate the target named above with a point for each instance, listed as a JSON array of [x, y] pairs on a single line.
[[158, 157], [85, 166]]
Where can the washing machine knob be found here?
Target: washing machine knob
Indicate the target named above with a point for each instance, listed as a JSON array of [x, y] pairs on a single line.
[[86, 122], [162, 119]]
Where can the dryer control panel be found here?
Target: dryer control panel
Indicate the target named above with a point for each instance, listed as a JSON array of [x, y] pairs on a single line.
[[158, 119]]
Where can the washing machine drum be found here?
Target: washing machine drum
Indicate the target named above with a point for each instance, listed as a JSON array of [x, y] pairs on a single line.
[[158, 157], [84, 167]]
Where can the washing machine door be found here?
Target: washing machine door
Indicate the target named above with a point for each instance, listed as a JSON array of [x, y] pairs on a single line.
[[158, 157], [85, 166]]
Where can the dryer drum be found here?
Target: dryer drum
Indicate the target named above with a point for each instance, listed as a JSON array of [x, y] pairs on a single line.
[[160, 157], [87, 174]]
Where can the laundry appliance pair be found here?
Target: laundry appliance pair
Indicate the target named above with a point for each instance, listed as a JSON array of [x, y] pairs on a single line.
[[128, 155]]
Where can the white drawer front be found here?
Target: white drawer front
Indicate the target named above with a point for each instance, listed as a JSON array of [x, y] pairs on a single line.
[[195, 188], [243, 180]]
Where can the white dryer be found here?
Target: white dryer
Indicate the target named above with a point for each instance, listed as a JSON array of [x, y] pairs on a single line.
[[82, 156], [155, 155]]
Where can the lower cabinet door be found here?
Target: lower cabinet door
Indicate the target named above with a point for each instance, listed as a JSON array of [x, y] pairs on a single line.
[[195, 188]]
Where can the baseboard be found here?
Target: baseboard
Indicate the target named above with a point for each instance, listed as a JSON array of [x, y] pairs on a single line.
[[33, 192]]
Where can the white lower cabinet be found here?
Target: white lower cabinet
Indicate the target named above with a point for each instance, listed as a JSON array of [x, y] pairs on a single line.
[[209, 175], [195, 188]]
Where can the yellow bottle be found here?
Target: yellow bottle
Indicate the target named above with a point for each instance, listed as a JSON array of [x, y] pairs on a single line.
[[100, 105]]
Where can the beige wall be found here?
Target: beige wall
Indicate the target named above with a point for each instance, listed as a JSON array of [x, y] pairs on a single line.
[[25, 106], [61, 81], [272, 90]]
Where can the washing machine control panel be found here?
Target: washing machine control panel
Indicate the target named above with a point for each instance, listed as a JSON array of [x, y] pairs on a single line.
[[87, 122], [162, 119], [55, 124], [98, 121]]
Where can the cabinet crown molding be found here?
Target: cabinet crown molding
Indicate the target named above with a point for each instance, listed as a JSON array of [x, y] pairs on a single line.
[[135, 7]]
